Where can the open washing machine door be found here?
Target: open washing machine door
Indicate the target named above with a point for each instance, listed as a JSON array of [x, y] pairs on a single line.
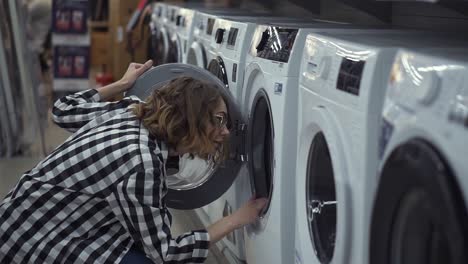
[[197, 182]]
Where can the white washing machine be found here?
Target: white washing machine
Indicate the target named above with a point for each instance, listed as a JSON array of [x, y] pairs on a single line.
[[420, 210], [341, 93], [227, 53], [270, 97]]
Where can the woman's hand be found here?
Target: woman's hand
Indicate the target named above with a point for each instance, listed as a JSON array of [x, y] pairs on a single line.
[[116, 89], [245, 215], [133, 72], [249, 212]]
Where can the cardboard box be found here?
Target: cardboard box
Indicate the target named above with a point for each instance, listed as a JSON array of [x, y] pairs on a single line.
[[100, 49]]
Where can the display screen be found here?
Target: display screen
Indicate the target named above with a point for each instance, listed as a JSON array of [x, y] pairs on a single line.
[[349, 77], [209, 26], [279, 44], [232, 36]]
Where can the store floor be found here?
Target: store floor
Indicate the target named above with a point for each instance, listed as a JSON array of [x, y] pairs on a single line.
[[12, 169]]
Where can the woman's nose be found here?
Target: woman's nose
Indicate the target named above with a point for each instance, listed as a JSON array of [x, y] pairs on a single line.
[[225, 131]]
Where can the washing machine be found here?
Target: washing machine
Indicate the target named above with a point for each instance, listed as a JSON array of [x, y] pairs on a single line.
[[195, 183], [420, 210], [269, 96], [226, 59], [341, 93]]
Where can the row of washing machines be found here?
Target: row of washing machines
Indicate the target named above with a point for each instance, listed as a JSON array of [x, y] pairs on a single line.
[[357, 136]]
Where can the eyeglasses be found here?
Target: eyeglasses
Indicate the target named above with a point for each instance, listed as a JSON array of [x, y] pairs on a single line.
[[220, 120]]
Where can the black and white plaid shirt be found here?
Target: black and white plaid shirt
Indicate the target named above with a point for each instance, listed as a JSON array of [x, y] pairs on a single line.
[[96, 195]]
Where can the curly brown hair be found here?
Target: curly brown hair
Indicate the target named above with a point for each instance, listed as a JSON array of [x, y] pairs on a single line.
[[179, 113]]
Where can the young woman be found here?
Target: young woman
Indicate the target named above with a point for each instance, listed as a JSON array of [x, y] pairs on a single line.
[[100, 196]]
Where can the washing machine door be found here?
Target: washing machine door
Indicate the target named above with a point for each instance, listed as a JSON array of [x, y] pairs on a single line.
[[175, 49], [419, 215], [196, 55], [160, 45], [197, 182], [216, 66]]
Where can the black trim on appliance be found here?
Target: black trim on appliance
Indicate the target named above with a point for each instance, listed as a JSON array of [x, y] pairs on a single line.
[[321, 199], [419, 216], [349, 76], [261, 147], [276, 43], [218, 68]]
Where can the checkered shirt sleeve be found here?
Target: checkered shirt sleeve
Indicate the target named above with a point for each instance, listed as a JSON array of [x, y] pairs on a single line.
[[76, 110]]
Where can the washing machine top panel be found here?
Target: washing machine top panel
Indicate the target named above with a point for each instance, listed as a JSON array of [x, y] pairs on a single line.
[[197, 182], [273, 43], [349, 68], [158, 15], [184, 21], [275, 46], [430, 86]]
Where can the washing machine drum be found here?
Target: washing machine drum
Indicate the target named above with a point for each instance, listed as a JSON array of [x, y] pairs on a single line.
[[216, 66], [195, 182]]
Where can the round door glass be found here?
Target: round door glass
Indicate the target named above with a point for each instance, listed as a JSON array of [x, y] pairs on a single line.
[[188, 172], [217, 67], [321, 199], [261, 152]]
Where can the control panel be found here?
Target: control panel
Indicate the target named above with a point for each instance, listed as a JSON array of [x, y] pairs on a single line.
[[349, 76], [276, 43]]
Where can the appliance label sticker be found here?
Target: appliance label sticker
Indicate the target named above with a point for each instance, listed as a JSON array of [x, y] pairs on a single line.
[[278, 88]]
